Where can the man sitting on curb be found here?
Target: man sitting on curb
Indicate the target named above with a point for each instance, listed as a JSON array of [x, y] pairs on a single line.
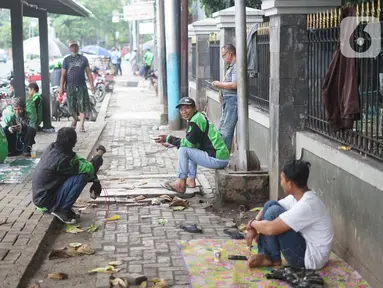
[[299, 225], [61, 175], [203, 145], [19, 129]]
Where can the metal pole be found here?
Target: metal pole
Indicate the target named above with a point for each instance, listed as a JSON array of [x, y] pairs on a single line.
[[184, 48], [162, 79], [131, 36], [17, 47], [242, 88], [139, 60], [44, 63], [172, 13]]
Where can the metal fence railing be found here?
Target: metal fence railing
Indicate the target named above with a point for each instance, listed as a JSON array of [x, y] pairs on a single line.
[[193, 61], [259, 86], [323, 36], [215, 58]]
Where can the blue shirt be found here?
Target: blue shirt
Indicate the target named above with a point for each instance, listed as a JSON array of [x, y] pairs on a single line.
[[76, 67]]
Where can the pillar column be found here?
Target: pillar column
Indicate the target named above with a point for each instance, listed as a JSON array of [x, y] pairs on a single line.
[[44, 62], [190, 60], [288, 79], [17, 47], [226, 24], [202, 30]]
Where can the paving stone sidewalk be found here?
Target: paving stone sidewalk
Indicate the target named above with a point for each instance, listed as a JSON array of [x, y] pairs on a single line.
[[137, 239], [25, 229]]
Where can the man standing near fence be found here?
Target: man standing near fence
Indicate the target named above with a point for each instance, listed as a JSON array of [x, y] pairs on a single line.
[[228, 95]]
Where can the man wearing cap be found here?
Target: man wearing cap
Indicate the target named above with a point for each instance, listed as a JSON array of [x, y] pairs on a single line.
[[19, 130], [202, 145], [74, 68]]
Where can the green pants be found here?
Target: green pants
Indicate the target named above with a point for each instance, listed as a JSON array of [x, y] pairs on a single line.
[[78, 100]]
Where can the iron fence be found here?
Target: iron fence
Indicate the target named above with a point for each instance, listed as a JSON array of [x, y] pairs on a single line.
[[194, 62], [215, 57], [259, 83], [323, 36]]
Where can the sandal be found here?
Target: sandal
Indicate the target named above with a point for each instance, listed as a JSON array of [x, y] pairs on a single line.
[[234, 234], [192, 228], [82, 130], [179, 194]]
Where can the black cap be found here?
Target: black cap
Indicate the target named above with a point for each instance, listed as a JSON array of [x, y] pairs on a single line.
[[186, 101]]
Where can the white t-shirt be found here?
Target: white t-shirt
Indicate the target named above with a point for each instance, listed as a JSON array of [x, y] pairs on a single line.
[[309, 216]]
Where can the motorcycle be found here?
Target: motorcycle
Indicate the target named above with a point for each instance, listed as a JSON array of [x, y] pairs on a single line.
[[60, 107], [100, 88]]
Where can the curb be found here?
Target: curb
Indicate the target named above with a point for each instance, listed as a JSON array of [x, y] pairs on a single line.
[[46, 226]]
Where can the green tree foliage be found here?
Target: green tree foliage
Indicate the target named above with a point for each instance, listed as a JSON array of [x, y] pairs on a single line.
[[211, 6]]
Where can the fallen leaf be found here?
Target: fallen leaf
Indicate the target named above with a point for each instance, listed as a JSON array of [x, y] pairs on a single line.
[[178, 202], [242, 227], [142, 183], [101, 269], [75, 245], [155, 201], [92, 228], [256, 209], [58, 276], [166, 197], [345, 148], [118, 282], [159, 283], [115, 263], [143, 285], [162, 221], [178, 208], [113, 218], [72, 229], [139, 198], [59, 254], [85, 250]]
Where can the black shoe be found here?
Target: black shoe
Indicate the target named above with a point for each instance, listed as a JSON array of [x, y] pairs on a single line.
[[27, 153], [65, 217], [74, 214]]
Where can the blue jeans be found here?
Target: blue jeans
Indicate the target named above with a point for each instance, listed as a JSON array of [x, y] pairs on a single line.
[[189, 158], [228, 119], [291, 243], [68, 192]]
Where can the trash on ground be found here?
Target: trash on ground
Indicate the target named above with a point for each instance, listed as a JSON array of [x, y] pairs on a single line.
[[256, 209], [115, 263], [69, 251], [92, 228], [155, 201], [58, 276], [230, 224], [143, 285], [75, 245], [139, 198], [118, 282], [163, 221], [192, 228], [345, 148], [113, 218], [179, 202], [159, 283], [179, 208], [74, 229], [164, 198]]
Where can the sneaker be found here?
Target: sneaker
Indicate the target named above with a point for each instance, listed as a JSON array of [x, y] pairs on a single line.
[[64, 217], [74, 214]]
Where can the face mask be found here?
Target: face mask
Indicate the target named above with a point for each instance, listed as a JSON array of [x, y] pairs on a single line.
[[74, 53]]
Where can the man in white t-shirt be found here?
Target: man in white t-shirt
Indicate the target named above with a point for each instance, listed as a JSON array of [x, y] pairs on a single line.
[[299, 225]]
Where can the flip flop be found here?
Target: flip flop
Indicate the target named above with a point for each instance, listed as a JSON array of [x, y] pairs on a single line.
[[192, 228], [167, 186], [234, 234]]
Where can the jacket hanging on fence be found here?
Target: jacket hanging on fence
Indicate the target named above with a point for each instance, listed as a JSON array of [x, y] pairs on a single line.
[[340, 87], [252, 52]]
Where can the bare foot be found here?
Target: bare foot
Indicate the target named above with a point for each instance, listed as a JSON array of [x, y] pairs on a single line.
[[178, 186], [190, 182], [260, 260]]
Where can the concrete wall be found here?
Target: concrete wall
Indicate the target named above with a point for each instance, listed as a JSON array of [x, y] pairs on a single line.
[[351, 187]]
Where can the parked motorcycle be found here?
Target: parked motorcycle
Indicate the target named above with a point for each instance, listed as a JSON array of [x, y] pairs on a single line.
[[100, 88]]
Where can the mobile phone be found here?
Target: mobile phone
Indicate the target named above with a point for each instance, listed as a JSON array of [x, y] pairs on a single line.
[[237, 257], [209, 82]]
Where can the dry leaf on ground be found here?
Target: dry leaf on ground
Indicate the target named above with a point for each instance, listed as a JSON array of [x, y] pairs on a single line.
[[159, 283], [102, 269], [143, 285], [179, 202], [92, 228], [178, 208], [85, 250], [345, 148], [58, 276], [115, 263], [139, 198], [166, 197], [118, 282], [113, 218], [256, 209], [74, 229], [75, 245]]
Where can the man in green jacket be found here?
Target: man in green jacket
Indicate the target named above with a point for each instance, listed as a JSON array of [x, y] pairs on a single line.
[[35, 96], [203, 145], [61, 175], [148, 61]]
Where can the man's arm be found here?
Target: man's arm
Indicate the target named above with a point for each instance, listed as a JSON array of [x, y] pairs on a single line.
[[62, 80], [75, 165], [192, 138], [270, 228], [90, 78]]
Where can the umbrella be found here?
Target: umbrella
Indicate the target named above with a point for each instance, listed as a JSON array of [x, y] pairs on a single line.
[[96, 50], [55, 47]]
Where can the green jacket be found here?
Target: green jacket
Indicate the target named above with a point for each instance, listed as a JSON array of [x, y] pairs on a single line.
[[202, 134], [30, 111], [38, 103], [148, 58]]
